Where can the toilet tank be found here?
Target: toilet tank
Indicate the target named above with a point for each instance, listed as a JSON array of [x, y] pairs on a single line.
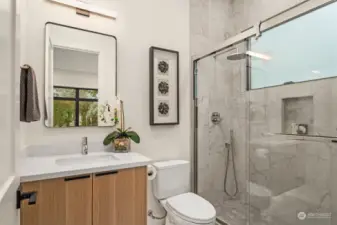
[[173, 178]]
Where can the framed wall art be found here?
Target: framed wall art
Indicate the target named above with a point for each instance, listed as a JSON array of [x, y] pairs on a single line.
[[164, 86]]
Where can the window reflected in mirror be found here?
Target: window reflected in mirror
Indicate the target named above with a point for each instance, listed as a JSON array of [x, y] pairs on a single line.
[[75, 107]]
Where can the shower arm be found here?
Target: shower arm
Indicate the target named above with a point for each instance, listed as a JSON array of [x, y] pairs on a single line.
[[223, 52]]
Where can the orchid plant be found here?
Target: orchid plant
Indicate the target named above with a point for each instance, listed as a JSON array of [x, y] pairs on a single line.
[[121, 133]]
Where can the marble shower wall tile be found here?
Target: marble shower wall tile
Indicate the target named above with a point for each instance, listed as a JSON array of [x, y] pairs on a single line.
[[266, 107], [247, 13], [274, 168], [210, 24], [226, 96], [199, 17]]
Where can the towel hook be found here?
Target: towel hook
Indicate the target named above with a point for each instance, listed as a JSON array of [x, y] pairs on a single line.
[[26, 67]]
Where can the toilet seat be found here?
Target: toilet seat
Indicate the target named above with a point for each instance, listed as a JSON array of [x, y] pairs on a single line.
[[191, 208]]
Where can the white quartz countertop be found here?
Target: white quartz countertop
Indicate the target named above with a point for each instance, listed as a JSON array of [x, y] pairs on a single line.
[[48, 167]]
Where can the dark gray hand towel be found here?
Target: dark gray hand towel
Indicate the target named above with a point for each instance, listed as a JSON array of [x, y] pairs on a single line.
[[29, 98]]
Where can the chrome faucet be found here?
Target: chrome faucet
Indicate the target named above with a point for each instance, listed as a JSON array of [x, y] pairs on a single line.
[[85, 146]]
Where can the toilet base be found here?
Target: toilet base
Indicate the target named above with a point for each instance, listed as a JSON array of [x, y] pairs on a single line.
[[174, 220]]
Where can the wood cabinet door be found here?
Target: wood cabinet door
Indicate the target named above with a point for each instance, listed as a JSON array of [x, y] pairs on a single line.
[[131, 196], [64, 201], [104, 198], [78, 200], [50, 203]]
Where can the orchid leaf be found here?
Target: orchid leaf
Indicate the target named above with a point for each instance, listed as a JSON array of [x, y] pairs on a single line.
[[133, 136], [110, 138]]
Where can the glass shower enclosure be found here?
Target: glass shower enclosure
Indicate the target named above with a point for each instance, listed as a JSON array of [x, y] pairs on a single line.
[[266, 126]]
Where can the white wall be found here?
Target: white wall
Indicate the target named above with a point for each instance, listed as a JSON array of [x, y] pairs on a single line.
[[136, 31], [5, 89], [140, 25], [9, 112]]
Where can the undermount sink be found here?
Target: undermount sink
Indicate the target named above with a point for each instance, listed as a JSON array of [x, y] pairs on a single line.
[[85, 159]]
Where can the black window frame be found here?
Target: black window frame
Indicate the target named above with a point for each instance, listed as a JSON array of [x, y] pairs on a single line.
[[76, 99]]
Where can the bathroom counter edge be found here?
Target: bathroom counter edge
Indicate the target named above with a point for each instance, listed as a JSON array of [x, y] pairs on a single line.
[[42, 168]]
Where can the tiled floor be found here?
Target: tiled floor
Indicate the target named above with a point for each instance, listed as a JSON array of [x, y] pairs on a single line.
[[237, 212], [232, 212]]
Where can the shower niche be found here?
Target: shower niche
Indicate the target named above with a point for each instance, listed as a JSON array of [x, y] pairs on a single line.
[[298, 116]]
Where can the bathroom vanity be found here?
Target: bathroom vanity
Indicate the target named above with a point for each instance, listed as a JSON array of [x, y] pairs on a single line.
[[102, 189]]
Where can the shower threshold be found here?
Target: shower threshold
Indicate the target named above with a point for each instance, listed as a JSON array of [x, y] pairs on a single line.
[[220, 222]]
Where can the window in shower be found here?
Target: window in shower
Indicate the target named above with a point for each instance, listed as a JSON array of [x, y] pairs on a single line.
[[300, 50]]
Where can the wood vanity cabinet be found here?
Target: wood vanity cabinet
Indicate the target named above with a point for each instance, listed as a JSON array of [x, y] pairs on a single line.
[[120, 198], [107, 198]]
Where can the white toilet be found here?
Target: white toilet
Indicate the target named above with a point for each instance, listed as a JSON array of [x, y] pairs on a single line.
[[171, 187]]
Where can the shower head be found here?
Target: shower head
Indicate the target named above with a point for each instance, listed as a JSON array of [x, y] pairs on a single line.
[[237, 56], [242, 55]]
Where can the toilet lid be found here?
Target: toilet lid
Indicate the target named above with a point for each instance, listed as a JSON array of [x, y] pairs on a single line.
[[192, 208]]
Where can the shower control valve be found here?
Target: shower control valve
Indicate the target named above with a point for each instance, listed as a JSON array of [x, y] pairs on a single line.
[[215, 118]]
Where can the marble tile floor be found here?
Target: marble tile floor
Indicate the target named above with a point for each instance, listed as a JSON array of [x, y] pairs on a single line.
[[233, 212], [237, 212], [230, 211]]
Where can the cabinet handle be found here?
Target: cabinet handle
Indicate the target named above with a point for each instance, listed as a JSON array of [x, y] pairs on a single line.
[[76, 178], [105, 173], [20, 196]]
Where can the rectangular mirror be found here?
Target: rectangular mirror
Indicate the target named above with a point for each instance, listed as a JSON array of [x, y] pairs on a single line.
[[80, 77]]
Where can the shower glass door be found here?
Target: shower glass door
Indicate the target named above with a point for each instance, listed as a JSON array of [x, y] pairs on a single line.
[[222, 110], [292, 174], [292, 122]]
